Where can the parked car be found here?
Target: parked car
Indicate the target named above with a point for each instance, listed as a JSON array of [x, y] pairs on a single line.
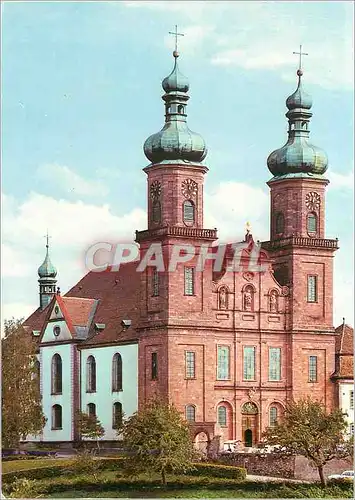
[[347, 475]]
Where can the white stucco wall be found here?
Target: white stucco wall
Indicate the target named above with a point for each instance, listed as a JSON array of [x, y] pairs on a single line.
[[345, 389], [64, 399], [104, 398]]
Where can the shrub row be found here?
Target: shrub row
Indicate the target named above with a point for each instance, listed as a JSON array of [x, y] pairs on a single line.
[[216, 470], [114, 464]]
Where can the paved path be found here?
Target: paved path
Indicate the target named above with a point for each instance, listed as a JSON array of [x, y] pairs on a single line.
[[264, 479]]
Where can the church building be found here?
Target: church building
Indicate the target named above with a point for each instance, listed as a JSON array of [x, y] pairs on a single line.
[[228, 347]]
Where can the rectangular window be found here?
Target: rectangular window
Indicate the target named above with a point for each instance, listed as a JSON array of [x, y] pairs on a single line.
[[249, 363], [351, 400], [312, 289], [189, 279], [154, 365], [222, 363], [312, 369], [155, 283], [190, 364], [274, 363]]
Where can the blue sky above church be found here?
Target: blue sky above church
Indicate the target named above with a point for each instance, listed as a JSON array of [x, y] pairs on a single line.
[[81, 87]]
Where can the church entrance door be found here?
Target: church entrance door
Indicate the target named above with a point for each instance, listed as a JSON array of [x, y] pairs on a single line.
[[248, 438]]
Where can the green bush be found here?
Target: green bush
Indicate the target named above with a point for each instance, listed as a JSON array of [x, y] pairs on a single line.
[[84, 463], [23, 488], [216, 470]]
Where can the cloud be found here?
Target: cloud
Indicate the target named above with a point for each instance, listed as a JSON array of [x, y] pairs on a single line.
[[266, 36], [233, 204], [69, 181], [341, 181]]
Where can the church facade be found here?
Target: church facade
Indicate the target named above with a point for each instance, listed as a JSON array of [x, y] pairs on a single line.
[[229, 346]]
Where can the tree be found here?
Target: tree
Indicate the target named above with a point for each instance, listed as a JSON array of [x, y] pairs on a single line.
[[22, 413], [308, 429], [90, 426], [157, 440]]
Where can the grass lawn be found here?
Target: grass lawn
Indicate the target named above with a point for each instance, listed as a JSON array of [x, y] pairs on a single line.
[[36, 463], [67, 483], [112, 484]]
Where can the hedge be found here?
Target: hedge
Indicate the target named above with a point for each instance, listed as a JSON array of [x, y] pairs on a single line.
[[113, 464]]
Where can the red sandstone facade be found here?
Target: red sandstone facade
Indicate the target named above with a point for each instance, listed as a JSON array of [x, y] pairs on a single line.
[[279, 314]]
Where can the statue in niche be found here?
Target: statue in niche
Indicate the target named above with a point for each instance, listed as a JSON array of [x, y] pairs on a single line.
[[273, 301], [223, 302], [248, 300]]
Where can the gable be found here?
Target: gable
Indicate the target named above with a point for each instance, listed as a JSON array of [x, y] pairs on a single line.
[[56, 313], [56, 330]]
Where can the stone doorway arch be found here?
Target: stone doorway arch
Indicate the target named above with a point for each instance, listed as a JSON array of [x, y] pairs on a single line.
[[250, 418]]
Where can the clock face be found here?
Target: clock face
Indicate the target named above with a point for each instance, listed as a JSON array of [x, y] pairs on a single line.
[[189, 188], [56, 330], [155, 190]]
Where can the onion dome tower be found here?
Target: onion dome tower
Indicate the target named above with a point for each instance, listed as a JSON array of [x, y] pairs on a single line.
[[175, 142], [298, 157], [47, 279]]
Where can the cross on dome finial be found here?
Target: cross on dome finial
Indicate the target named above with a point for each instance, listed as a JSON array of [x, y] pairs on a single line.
[[176, 34], [47, 238], [300, 53]]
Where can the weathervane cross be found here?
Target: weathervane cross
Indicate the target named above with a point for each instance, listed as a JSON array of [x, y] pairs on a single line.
[[47, 237], [300, 53], [176, 34]]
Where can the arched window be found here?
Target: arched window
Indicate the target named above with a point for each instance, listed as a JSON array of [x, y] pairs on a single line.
[[117, 373], [91, 410], [116, 415], [156, 212], [273, 414], [56, 374], [155, 283], [180, 109], [279, 223], [312, 223], [56, 417], [222, 416], [190, 413], [91, 374], [189, 211]]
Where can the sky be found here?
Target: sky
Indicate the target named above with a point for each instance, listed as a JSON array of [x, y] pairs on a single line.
[[81, 91]]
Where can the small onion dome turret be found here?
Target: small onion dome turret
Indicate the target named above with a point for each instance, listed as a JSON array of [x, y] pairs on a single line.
[[47, 270]]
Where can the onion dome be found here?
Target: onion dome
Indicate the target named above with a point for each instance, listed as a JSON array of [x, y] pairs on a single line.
[[298, 156], [176, 81], [47, 270], [175, 141]]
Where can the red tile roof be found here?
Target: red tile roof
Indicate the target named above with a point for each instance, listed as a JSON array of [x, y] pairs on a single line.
[[344, 341], [36, 320], [344, 349]]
